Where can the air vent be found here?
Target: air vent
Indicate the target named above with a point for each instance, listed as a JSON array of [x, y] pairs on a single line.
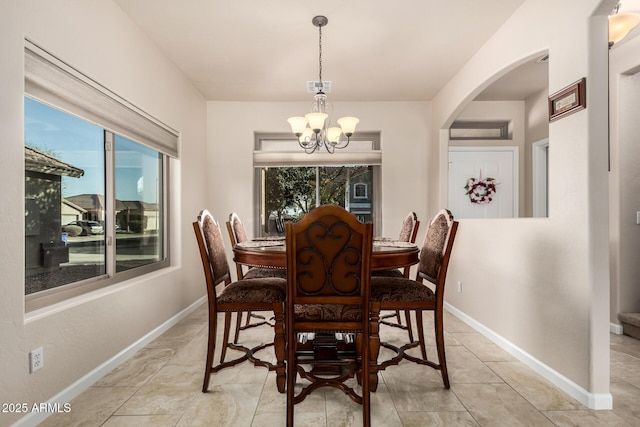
[[544, 59], [314, 87]]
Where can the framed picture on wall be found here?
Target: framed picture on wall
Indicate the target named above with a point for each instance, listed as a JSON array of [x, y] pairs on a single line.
[[568, 100]]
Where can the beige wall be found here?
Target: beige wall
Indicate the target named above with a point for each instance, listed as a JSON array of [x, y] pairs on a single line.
[[624, 177], [98, 39], [541, 284]]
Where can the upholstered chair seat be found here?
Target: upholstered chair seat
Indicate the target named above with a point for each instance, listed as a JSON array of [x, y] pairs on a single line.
[[261, 273], [327, 312], [399, 289], [266, 290]]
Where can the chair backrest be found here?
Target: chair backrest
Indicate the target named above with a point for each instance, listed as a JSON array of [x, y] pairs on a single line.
[[409, 229], [212, 252], [237, 233], [436, 250], [328, 263]]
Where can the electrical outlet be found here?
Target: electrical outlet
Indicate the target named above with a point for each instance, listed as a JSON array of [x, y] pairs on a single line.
[[36, 359], [459, 287]]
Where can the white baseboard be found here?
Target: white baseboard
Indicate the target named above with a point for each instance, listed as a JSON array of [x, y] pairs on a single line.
[[590, 400], [615, 328], [66, 395]]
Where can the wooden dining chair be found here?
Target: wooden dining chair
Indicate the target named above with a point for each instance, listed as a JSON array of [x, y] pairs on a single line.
[[425, 293], [408, 233], [238, 234], [328, 276], [266, 294]]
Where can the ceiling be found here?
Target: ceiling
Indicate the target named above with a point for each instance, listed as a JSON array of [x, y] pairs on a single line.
[[373, 50]]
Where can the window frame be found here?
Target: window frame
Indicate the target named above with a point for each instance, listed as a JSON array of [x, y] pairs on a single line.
[[40, 86], [299, 158]]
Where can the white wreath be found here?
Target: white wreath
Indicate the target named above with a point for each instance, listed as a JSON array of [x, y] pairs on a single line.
[[481, 191]]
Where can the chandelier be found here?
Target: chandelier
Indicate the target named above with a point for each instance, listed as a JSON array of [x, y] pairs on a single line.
[[314, 130]]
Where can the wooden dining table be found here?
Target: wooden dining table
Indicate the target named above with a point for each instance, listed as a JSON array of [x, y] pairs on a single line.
[[270, 252]]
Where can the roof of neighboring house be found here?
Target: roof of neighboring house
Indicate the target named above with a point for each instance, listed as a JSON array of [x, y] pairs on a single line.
[[37, 161], [88, 201], [74, 206]]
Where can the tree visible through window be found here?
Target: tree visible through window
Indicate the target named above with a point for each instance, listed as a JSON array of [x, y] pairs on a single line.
[[290, 192]]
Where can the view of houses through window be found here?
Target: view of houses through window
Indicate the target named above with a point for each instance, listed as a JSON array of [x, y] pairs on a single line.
[[93, 201]]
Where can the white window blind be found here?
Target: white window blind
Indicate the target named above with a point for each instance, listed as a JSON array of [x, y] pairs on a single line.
[[50, 80]]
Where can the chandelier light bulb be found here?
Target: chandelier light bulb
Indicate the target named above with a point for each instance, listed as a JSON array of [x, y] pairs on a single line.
[[348, 125], [298, 125], [316, 121]]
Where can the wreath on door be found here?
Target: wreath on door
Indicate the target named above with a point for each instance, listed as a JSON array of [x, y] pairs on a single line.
[[481, 191]]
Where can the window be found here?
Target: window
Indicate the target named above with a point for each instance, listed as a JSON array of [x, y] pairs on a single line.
[[479, 130], [96, 171], [290, 182]]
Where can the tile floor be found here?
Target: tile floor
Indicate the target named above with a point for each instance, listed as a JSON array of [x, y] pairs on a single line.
[[160, 386]]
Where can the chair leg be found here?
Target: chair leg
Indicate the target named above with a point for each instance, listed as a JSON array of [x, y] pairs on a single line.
[[407, 319], [211, 347], [374, 345], [239, 325], [442, 359], [225, 339], [279, 346], [420, 326], [291, 372]]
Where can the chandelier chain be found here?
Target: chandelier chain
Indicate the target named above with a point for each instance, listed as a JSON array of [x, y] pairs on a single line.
[[320, 56]]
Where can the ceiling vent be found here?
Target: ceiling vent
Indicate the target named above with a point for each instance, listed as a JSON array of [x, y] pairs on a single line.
[[314, 87]]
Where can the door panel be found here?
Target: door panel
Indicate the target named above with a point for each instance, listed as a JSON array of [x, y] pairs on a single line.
[[499, 163]]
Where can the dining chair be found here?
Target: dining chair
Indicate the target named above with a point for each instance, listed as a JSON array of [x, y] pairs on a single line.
[[408, 233], [265, 294], [238, 234], [425, 293], [328, 277]]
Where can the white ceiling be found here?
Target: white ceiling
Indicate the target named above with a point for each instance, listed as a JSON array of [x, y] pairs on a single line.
[[373, 50]]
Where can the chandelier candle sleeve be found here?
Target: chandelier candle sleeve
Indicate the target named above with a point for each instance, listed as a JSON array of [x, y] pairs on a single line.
[[314, 130]]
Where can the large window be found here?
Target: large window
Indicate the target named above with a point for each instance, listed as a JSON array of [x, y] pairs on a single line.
[[96, 171], [289, 182]]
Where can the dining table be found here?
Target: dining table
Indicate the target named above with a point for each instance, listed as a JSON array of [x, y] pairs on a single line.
[[270, 252]]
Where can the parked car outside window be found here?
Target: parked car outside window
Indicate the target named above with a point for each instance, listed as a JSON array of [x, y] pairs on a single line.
[[88, 227]]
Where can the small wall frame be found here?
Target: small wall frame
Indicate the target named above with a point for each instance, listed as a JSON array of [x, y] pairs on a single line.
[[568, 100]]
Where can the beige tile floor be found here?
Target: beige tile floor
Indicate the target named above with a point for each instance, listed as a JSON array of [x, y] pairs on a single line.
[[160, 386]]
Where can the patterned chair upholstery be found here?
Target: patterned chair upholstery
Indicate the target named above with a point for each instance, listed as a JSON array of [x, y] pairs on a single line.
[[266, 294], [426, 292]]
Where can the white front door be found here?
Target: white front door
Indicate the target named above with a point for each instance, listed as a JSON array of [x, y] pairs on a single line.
[[499, 163]]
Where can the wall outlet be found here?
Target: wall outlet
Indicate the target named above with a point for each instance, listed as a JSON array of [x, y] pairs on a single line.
[[36, 359], [459, 287]]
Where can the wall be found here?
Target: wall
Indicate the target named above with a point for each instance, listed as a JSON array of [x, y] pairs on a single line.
[[80, 335], [404, 131], [625, 177], [540, 286]]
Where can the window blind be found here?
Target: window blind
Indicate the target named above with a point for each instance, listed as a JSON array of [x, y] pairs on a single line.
[[50, 80]]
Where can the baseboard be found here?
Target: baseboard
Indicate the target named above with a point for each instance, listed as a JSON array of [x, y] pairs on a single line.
[[615, 328], [590, 400], [66, 395]]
